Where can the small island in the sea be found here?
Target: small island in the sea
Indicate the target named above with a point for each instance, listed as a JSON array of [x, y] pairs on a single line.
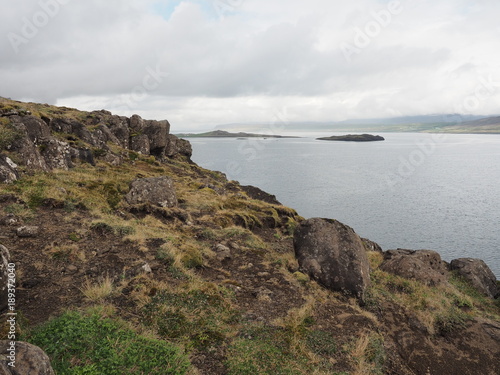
[[225, 134], [354, 138]]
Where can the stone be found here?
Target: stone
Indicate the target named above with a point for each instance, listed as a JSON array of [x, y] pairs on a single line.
[[372, 246], [334, 255], [146, 268], [10, 220], [140, 143], [157, 132], [478, 274], [136, 124], [29, 359], [8, 170], [57, 154], [27, 231], [156, 190], [177, 146], [425, 266], [222, 252], [4, 272], [36, 129], [118, 125]]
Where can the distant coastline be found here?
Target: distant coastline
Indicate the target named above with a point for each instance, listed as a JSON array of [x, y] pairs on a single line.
[[226, 134]]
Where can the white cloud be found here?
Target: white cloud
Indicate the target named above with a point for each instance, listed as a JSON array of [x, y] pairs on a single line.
[[260, 57]]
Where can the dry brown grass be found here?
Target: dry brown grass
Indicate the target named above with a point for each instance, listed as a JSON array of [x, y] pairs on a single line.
[[98, 292]]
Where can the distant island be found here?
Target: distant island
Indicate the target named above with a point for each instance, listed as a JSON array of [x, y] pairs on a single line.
[[225, 134], [354, 138]]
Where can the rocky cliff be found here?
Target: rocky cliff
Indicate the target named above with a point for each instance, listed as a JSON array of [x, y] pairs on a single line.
[[129, 258]]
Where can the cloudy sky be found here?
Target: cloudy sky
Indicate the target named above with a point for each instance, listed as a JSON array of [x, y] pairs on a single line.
[[200, 63]]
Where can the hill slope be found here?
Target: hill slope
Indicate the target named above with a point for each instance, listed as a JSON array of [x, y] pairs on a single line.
[[210, 280]]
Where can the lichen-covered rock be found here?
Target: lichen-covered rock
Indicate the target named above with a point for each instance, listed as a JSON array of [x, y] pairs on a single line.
[[4, 262], [156, 190], [28, 359], [28, 231], [10, 220], [57, 154], [425, 266], [334, 255], [477, 272], [140, 143], [8, 170]]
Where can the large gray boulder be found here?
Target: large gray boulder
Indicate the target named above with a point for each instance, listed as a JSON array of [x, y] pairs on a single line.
[[334, 255], [178, 146], [28, 359], [156, 190], [425, 266], [478, 274], [4, 265], [157, 132]]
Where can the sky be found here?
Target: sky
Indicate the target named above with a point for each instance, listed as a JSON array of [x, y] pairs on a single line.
[[202, 63]]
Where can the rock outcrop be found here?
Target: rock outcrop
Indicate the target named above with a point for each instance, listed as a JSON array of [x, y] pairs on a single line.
[[425, 266], [8, 170], [43, 143], [156, 191], [334, 255], [28, 359], [478, 274]]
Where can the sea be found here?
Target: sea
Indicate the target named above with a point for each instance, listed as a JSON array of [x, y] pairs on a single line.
[[413, 190]]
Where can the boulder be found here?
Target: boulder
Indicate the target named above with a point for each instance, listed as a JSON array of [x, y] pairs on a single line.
[[222, 252], [136, 124], [36, 129], [5, 260], [478, 274], [157, 132], [156, 190], [140, 143], [118, 125], [57, 154], [27, 231], [8, 170], [425, 266], [178, 146], [10, 220], [334, 255], [29, 359]]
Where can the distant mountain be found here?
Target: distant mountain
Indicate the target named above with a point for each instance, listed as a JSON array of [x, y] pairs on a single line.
[[225, 134], [488, 125], [427, 123]]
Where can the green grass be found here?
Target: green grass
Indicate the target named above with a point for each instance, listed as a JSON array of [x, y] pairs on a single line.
[[199, 319], [90, 344], [269, 350]]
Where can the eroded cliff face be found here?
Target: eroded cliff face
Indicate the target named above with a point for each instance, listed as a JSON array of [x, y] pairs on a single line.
[[50, 138], [88, 198]]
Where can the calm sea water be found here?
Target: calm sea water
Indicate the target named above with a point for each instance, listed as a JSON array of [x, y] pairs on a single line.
[[415, 191]]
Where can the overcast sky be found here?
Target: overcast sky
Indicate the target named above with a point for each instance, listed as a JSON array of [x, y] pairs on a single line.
[[199, 63]]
